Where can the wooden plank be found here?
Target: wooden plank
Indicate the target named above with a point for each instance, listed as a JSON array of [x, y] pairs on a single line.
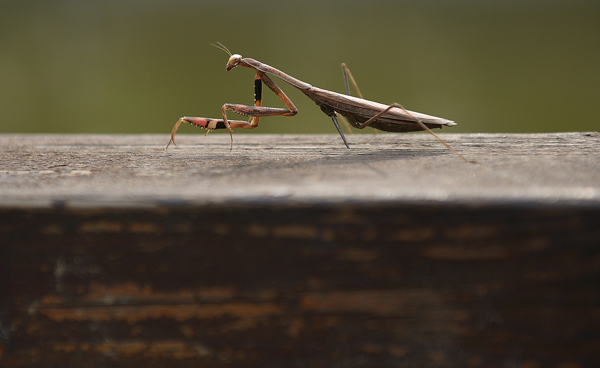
[[294, 251], [123, 169]]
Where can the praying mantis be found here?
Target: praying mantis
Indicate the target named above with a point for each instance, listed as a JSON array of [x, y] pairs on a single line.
[[359, 112]]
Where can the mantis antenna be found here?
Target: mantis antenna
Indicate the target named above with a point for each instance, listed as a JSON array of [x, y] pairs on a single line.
[[222, 47]]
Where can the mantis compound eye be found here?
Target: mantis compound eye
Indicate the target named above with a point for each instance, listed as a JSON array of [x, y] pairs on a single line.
[[234, 60]]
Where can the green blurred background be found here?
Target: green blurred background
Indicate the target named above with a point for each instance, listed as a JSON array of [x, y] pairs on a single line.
[[125, 66]]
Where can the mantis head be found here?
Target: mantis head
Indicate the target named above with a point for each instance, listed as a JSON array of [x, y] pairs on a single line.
[[234, 61]]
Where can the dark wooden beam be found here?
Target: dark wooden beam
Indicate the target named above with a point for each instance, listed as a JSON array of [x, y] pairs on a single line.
[[294, 251]]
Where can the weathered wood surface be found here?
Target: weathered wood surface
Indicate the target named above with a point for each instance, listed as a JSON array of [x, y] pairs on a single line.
[[294, 251], [546, 167]]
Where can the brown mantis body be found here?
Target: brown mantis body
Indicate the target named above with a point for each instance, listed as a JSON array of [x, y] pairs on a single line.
[[359, 112]]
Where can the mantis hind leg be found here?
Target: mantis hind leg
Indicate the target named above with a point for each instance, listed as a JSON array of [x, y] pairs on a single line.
[[416, 119], [347, 73]]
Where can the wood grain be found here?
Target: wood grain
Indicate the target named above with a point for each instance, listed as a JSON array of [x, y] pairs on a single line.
[[294, 251]]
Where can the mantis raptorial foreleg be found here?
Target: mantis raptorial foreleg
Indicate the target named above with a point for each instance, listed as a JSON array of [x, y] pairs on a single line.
[[255, 111]]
